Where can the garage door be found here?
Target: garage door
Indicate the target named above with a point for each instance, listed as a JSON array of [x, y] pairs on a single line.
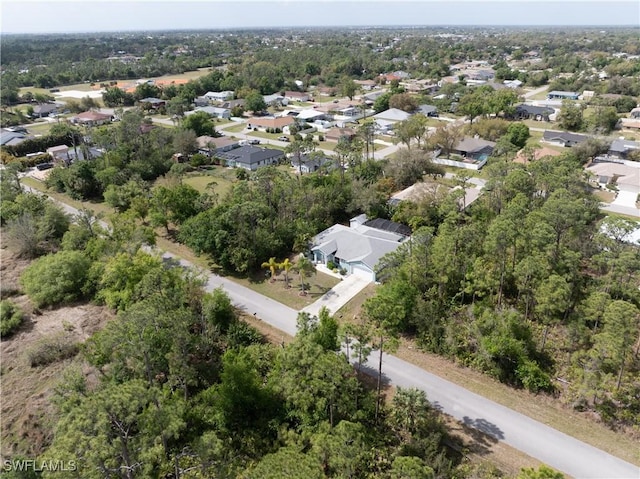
[[362, 270]]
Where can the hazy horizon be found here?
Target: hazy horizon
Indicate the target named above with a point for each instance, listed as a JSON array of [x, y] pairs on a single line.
[[97, 16]]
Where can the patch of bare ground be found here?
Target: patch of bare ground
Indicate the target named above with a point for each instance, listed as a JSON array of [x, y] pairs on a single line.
[[27, 416]]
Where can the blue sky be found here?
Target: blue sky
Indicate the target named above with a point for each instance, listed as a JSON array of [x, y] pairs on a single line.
[[28, 16]]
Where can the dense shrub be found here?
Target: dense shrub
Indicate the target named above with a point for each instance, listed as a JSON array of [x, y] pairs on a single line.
[[11, 317], [56, 278], [51, 349]]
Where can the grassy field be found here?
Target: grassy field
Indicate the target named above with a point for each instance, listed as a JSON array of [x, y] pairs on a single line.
[[200, 182], [239, 128]]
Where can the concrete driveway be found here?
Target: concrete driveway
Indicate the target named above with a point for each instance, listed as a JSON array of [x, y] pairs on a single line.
[[339, 295]]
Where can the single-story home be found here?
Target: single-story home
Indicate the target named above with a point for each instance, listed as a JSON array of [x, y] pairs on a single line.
[[231, 104], [213, 111], [251, 157], [264, 122], [45, 109], [10, 138], [626, 177], [630, 123], [209, 145], [296, 96], [92, 118], [275, 99], [537, 113], [154, 102], [563, 95], [622, 148], [474, 148], [58, 152], [334, 134], [392, 114], [366, 84], [219, 95], [512, 83], [310, 115], [309, 164], [428, 110], [563, 138], [358, 247]]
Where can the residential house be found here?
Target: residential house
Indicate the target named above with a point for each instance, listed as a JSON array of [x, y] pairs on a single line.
[[366, 85], [275, 100], [209, 145], [635, 113], [296, 96], [213, 111], [92, 118], [630, 123], [219, 95], [563, 138], [335, 134], [58, 152], [428, 110], [532, 112], [251, 157], [374, 95], [385, 120], [264, 122], [626, 177], [200, 101], [309, 163], [621, 148], [153, 102], [310, 115], [512, 83], [474, 148], [45, 109], [231, 104], [563, 95], [358, 247], [11, 138]]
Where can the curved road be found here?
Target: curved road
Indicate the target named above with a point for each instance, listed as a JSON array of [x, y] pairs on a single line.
[[538, 440]]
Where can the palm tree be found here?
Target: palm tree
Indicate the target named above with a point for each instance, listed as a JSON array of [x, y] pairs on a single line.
[[272, 264], [286, 266], [305, 268]]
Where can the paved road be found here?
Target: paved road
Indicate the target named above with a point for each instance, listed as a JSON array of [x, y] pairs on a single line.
[[540, 441]]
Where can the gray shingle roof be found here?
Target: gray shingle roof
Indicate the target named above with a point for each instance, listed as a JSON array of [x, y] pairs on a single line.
[[250, 155]]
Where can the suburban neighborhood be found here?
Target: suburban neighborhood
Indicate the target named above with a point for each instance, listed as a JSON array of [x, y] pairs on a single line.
[[351, 252]]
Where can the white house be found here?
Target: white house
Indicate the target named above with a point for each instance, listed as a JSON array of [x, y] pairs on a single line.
[[219, 95], [358, 247]]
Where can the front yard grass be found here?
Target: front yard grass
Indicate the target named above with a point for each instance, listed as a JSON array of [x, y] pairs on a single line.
[[316, 286], [239, 128]]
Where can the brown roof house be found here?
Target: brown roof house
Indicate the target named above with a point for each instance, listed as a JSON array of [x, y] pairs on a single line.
[[91, 118]]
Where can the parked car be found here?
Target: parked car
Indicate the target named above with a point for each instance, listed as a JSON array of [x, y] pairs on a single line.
[[283, 138], [44, 166], [254, 142]]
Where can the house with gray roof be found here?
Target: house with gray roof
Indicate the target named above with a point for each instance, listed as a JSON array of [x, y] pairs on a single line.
[[251, 157], [622, 148], [563, 138], [45, 109], [213, 111], [11, 138], [310, 163], [428, 110], [358, 247], [474, 148], [532, 112]]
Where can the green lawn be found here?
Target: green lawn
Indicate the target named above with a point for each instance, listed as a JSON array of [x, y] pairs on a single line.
[[200, 182], [317, 285], [234, 129]]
